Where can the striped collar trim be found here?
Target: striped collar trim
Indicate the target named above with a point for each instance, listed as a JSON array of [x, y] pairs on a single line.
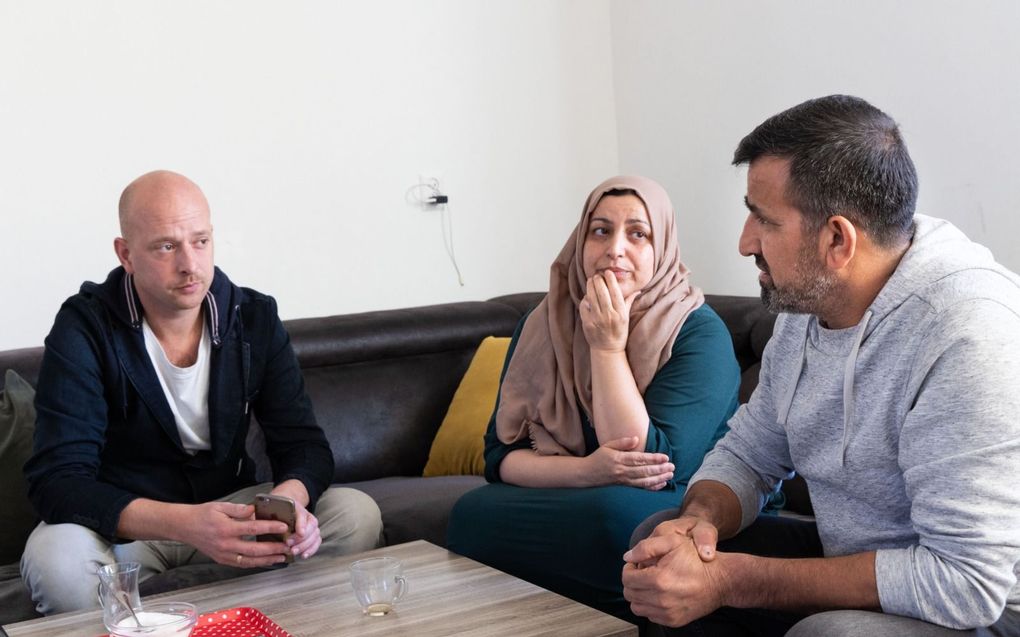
[[131, 299], [213, 313], [134, 307]]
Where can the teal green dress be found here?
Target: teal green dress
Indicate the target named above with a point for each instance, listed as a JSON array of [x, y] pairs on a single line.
[[571, 540]]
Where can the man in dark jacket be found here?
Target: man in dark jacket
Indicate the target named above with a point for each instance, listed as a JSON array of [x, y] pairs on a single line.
[[147, 387]]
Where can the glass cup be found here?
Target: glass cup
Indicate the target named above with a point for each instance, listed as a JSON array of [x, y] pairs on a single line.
[[158, 619], [378, 583], [118, 589]]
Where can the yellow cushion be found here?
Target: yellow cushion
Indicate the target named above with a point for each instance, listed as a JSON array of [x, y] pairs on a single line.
[[458, 447]]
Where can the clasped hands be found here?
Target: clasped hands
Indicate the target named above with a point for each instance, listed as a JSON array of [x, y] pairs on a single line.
[[673, 577]]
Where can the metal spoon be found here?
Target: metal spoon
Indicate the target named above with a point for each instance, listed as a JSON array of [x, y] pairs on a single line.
[[123, 598]]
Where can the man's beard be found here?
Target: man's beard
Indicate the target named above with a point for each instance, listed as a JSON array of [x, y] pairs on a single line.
[[811, 292]]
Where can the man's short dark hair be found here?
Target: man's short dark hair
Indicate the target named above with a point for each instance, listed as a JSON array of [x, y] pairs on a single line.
[[846, 158]]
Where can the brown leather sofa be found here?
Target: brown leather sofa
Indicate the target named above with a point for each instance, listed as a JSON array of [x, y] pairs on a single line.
[[380, 383]]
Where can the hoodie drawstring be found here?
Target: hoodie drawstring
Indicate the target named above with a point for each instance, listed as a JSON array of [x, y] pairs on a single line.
[[848, 385], [849, 370]]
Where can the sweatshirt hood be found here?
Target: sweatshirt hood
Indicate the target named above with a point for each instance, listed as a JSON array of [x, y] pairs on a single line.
[[938, 250], [120, 297]]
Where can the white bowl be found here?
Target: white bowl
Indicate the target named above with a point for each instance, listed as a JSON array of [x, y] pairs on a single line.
[[159, 619]]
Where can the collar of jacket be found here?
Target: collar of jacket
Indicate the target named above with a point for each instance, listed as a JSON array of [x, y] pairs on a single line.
[[119, 294]]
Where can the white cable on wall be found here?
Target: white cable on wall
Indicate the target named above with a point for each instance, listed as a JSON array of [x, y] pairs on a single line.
[[427, 194]]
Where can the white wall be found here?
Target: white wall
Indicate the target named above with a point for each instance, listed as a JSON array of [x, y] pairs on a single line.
[[692, 78], [305, 123]]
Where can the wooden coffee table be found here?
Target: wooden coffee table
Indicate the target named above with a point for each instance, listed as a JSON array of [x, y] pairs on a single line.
[[449, 594]]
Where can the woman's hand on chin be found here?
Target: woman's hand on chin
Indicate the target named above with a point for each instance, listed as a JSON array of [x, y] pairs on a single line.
[[605, 313], [616, 462]]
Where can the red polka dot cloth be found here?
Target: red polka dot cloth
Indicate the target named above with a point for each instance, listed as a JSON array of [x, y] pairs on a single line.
[[237, 622]]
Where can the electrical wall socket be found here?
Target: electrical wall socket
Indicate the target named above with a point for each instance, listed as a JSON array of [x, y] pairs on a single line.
[[429, 184]]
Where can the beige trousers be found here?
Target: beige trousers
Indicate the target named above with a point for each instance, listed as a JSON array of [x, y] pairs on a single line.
[[60, 560]]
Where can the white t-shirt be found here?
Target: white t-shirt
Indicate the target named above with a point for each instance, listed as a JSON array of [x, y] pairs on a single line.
[[186, 389]]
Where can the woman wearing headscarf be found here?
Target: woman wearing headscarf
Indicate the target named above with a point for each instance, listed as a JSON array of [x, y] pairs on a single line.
[[614, 388]]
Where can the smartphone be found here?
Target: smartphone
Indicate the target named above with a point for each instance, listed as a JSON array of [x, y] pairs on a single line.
[[276, 507]]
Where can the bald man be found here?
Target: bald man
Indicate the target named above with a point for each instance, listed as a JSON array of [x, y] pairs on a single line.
[[147, 387]]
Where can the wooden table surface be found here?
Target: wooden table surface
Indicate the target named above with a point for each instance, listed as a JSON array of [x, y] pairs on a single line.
[[448, 595]]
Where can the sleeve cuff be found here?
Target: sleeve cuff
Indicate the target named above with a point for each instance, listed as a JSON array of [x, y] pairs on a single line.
[[750, 498], [893, 576]]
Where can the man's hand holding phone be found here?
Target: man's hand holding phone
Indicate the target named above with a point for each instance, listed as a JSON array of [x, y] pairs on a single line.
[[303, 537], [226, 531], [281, 509], [306, 539]]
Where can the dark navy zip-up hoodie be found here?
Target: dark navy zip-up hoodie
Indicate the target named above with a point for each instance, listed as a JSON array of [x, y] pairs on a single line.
[[105, 433]]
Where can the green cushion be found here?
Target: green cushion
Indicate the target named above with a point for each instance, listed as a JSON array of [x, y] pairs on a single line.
[[17, 422]]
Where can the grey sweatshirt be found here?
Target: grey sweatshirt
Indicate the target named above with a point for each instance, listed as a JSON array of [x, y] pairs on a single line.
[[906, 428]]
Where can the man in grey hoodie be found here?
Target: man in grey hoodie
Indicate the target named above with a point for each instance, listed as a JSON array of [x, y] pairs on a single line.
[[889, 384]]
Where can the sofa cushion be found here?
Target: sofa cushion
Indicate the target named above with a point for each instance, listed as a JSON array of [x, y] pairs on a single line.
[[458, 446], [381, 382], [15, 603], [416, 508], [17, 423]]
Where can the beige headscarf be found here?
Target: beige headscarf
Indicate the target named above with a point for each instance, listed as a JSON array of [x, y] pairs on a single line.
[[550, 371]]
